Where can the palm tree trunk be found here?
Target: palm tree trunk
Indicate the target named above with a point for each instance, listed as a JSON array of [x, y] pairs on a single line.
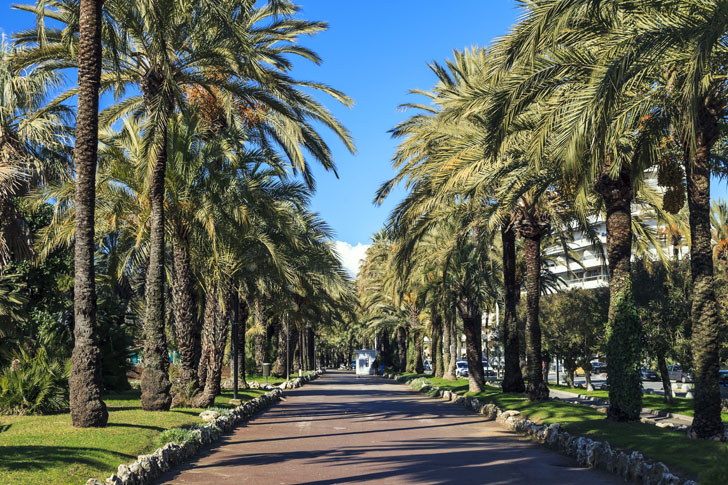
[[183, 300], [665, 377], [436, 345], [418, 344], [310, 349], [447, 372], [624, 329], [472, 322], [402, 348], [537, 389], [243, 313], [512, 377], [155, 383], [215, 337], [279, 366], [259, 339], [706, 322], [208, 325], [85, 381]]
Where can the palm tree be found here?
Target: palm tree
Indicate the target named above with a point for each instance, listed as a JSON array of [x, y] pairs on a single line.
[[656, 69], [213, 54], [87, 408]]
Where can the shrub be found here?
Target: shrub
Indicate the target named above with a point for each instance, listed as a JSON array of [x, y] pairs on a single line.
[[624, 353], [34, 384], [177, 435]]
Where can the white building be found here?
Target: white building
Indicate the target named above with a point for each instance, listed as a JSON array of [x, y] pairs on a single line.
[[593, 272]]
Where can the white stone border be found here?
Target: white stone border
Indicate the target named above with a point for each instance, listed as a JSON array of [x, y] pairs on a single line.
[[148, 467], [588, 453]]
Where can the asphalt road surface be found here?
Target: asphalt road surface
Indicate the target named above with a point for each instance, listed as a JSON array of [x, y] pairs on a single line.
[[344, 429]]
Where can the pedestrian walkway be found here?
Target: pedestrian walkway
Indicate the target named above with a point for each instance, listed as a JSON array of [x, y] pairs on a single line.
[[344, 429]]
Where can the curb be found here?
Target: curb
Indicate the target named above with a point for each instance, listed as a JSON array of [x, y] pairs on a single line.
[[630, 466], [148, 467]]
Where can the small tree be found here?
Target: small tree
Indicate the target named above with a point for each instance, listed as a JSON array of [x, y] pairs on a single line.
[[574, 325], [663, 304]]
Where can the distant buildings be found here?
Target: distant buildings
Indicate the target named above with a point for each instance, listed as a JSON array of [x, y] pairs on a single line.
[[593, 272]]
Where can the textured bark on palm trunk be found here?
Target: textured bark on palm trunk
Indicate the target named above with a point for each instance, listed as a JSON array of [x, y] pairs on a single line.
[[665, 377], [243, 313], [310, 349], [214, 338], [512, 377], [85, 382], [155, 383], [402, 348], [532, 231], [436, 344], [417, 340], [473, 343], [418, 345], [706, 321], [259, 339], [185, 323], [624, 330], [447, 372], [279, 366]]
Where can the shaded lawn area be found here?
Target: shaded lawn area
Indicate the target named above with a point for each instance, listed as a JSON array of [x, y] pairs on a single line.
[[652, 401], [47, 449], [691, 458]]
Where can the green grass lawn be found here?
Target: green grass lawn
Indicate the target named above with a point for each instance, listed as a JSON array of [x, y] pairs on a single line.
[[691, 458], [46, 449], [652, 401]]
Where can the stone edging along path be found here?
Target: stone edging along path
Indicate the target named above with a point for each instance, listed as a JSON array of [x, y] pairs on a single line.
[[148, 467], [588, 453]]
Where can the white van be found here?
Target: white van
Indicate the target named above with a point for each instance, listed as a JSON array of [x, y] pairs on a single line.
[[365, 362]]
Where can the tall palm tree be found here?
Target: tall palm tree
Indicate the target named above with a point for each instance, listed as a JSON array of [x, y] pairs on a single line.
[[152, 45], [652, 67], [87, 408]]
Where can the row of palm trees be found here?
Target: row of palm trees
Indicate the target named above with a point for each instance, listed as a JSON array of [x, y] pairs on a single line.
[[187, 178], [562, 120]]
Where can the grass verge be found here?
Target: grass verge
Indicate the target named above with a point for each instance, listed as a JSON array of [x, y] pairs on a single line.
[[47, 449], [680, 405]]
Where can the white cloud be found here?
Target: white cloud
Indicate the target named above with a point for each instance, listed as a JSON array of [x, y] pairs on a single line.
[[351, 256]]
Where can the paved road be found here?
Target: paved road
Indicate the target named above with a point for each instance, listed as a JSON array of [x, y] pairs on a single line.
[[343, 429]]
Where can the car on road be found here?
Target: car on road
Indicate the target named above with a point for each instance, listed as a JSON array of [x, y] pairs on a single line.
[[461, 368], [677, 374], [579, 371], [427, 365], [723, 378], [649, 375], [489, 373], [597, 367]]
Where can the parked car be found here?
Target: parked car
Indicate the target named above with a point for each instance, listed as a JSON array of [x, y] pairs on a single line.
[[489, 372], [723, 378], [579, 371], [427, 365], [649, 375], [597, 367], [461, 368], [677, 374]]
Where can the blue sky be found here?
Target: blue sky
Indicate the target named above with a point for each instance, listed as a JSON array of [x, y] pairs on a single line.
[[375, 51]]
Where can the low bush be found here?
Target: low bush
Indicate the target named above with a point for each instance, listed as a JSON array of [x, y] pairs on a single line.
[[34, 384], [177, 435]]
